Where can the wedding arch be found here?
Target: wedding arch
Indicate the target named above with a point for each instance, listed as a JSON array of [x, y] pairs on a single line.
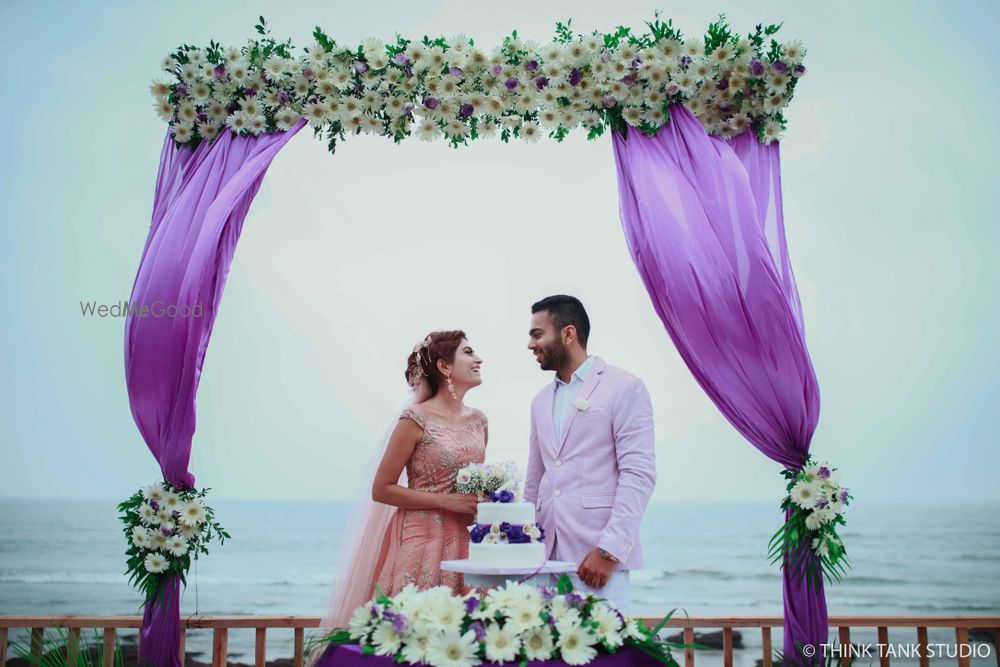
[[694, 124]]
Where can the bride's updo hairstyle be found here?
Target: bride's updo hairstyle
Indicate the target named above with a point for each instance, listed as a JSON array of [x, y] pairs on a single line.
[[422, 362]]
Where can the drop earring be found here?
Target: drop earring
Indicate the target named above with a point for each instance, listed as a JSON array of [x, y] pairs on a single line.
[[451, 388]]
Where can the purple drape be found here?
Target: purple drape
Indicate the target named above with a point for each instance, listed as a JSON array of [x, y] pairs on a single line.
[[202, 197], [703, 222]]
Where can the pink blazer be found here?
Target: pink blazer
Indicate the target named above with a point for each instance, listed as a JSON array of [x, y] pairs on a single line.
[[591, 488]]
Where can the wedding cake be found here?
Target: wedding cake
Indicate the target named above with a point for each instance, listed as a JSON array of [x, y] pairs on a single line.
[[505, 534]]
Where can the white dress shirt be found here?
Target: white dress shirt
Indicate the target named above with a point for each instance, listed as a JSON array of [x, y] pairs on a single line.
[[565, 394]]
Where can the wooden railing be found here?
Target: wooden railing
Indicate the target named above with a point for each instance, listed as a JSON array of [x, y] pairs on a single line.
[[220, 625]]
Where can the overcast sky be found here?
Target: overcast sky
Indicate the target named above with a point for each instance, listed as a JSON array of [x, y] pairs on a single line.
[[347, 260]]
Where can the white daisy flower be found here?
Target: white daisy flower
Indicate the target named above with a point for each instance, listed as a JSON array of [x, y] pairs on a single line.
[[192, 513], [256, 124], [232, 54], [777, 82], [141, 537], [236, 121], [814, 520], [385, 640], [275, 66], [739, 122], [456, 129], [190, 72], [373, 46], [168, 64], [794, 51], [197, 57], [632, 116], [164, 109], [576, 645], [428, 130], [502, 644], [155, 563], [177, 545], [284, 119], [538, 643], [358, 625], [693, 48], [158, 540], [159, 89], [530, 132], [654, 116], [239, 71], [444, 611], [153, 492], [820, 546], [608, 625], [316, 113], [216, 110], [185, 531], [449, 649], [415, 649], [525, 613], [774, 103], [670, 48], [804, 494]]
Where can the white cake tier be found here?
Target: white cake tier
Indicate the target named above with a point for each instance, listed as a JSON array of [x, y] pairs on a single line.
[[531, 554], [515, 513]]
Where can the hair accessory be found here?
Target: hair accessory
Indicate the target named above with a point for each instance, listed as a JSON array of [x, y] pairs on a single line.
[[418, 370]]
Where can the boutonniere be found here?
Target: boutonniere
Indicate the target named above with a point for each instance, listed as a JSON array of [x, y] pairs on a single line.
[[581, 405]]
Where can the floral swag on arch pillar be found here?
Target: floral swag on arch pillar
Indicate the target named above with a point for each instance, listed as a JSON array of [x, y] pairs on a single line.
[[695, 124]]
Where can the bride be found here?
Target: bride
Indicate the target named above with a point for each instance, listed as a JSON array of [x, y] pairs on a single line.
[[413, 519]]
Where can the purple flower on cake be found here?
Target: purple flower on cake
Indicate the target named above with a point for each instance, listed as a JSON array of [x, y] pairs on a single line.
[[502, 496]]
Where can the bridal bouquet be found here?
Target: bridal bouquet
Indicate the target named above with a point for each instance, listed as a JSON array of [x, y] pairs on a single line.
[[498, 481], [517, 622], [165, 527], [817, 502]]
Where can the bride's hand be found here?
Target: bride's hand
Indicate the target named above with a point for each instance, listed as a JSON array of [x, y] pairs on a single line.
[[460, 503]]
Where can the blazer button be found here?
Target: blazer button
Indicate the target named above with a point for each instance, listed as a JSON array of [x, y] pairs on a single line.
[[558, 464], [557, 493]]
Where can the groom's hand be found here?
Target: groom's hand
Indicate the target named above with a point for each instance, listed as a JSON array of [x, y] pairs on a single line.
[[595, 570]]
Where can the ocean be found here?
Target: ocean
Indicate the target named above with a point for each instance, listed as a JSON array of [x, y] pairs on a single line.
[[66, 557]]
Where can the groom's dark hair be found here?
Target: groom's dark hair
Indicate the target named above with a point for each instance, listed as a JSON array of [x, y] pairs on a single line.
[[565, 310]]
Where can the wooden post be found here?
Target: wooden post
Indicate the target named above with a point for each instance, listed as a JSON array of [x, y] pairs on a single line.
[[925, 660], [962, 639], [73, 647], [220, 647], [996, 645], [3, 647], [688, 652], [883, 639], [36, 643], [300, 639], [845, 646], [182, 648], [727, 647], [765, 640], [261, 648], [108, 650]]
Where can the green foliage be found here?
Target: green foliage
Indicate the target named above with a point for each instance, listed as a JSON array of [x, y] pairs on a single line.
[[52, 651]]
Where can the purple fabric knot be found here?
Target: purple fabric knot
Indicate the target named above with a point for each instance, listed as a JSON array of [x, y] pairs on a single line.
[[575, 77], [455, 72], [465, 110], [541, 82], [431, 102], [779, 66], [756, 67], [308, 73], [402, 59], [496, 70], [283, 97], [511, 82], [723, 84], [219, 71], [609, 101], [532, 65], [182, 89], [360, 67]]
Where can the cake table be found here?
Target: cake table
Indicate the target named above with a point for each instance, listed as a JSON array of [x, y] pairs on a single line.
[[480, 576]]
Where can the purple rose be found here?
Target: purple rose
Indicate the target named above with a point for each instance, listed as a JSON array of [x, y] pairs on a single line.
[[399, 624], [685, 61], [312, 99], [471, 605], [219, 71], [165, 532], [636, 62], [431, 102], [283, 97], [232, 107], [308, 73], [723, 84], [360, 67], [798, 70], [756, 67], [408, 71], [532, 65], [628, 80], [182, 89], [496, 70], [541, 532], [608, 101], [824, 472], [779, 66], [402, 59], [541, 82], [249, 92], [155, 505], [479, 629], [466, 110], [822, 502], [843, 495], [725, 108], [575, 77], [203, 117], [511, 82], [478, 532], [502, 496], [455, 72]]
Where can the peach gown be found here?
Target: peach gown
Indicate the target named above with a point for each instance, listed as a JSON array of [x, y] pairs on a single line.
[[416, 541]]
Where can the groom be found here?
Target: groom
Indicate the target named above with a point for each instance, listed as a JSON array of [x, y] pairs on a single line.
[[592, 467]]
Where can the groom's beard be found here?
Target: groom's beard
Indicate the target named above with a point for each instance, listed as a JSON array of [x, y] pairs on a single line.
[[554, 357]]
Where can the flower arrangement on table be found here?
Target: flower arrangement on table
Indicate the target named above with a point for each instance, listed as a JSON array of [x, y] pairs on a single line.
[[451, 88], [817, 502], [165, 528], [496, 481], [517, 622]]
